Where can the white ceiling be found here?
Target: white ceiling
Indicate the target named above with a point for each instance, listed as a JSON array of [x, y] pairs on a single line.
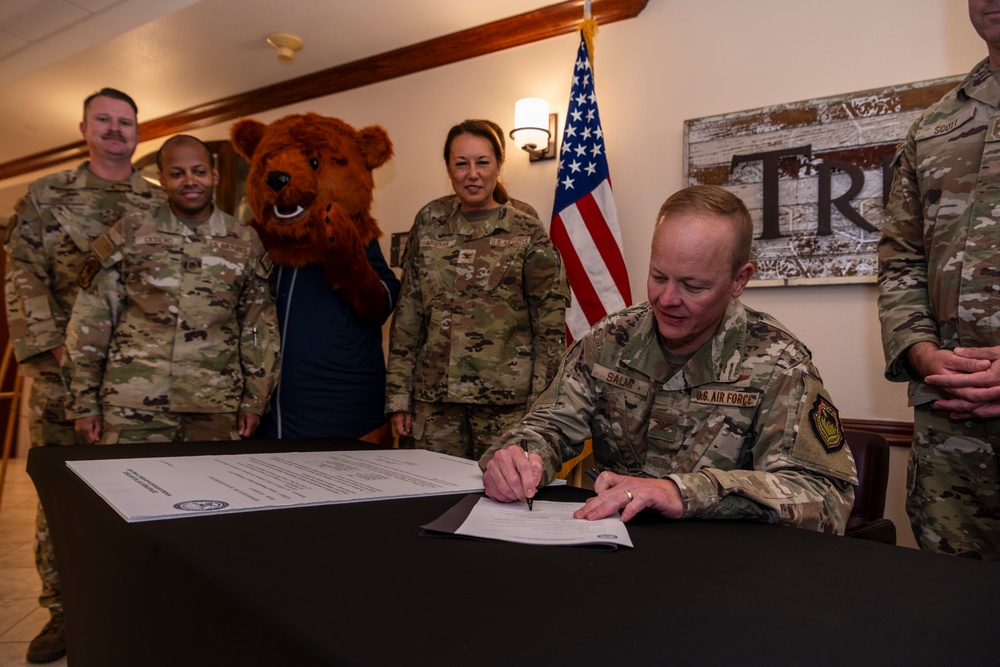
[[171, 55]]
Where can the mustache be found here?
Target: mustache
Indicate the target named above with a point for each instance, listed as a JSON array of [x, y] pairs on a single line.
[[113, 135]]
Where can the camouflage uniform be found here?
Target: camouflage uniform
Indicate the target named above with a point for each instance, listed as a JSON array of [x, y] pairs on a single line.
[[481, 317], [938, 283], [744, 427], [174, 318], [48, 239]]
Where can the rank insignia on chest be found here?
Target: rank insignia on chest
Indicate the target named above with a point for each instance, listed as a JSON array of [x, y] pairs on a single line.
[[466, 256], [90, 268], [826, 423]]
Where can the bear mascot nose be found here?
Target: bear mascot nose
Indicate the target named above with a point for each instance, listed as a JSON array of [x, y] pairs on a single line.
[[277, 180]]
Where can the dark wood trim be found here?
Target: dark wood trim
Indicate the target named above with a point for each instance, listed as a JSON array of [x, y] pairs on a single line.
[[552, 21], [899, 434]]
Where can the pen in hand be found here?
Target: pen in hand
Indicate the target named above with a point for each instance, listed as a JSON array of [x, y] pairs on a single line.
[[524, 446], [593, 474]]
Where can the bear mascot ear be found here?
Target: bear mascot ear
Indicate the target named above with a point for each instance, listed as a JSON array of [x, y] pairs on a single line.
[[375, 146], [246, 135]]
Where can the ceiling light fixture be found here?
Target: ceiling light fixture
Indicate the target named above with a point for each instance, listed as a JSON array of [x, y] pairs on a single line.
[[286, 44]]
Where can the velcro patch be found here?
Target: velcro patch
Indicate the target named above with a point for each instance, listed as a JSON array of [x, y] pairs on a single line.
[[102, 247], [430, 243], [517, 240], [826, 423], [466, 256], [634, 385], [947, 125], [155, 239], [226, 245], [740, 399]]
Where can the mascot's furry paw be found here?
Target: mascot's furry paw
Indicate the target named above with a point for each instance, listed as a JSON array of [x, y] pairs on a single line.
[[310, 190]]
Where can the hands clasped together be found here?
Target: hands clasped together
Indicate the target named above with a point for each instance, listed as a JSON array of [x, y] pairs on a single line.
[[969, 375], [513, 477]]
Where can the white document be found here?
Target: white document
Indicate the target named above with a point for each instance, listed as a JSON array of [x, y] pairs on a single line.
[[550, 523], [163, 488]]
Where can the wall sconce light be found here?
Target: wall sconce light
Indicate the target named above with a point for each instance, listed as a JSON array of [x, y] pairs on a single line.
[[285, 44], [534, 126]]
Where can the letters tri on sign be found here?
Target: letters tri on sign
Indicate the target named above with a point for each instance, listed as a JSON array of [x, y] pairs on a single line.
[[815, 176]]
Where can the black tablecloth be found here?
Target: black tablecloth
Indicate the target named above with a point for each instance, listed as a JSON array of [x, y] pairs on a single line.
[[356, 584]]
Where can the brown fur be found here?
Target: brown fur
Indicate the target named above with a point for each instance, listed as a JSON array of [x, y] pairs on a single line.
[[326, 169]]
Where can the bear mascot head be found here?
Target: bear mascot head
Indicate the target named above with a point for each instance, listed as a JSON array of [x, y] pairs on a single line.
[[310, 191]]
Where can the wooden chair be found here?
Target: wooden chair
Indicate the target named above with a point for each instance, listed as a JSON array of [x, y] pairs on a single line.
[[14, 396]]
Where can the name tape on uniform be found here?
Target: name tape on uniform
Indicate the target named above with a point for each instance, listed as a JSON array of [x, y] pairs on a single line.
[[741, 399], [635, 385]]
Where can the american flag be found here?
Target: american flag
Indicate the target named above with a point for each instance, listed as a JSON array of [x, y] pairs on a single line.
[[585, 223]]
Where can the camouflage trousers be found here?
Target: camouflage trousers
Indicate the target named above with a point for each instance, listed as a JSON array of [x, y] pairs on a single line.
[[48, 426], [461, 429], [953, 485], [128, 425]]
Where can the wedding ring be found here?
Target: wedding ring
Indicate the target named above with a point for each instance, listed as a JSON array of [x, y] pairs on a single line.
[[629, 494]]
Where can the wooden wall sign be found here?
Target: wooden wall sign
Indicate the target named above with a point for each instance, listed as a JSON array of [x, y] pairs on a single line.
[[815, 176]]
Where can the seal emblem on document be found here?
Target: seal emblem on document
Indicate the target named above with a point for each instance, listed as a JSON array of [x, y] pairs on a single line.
[[201, 505]]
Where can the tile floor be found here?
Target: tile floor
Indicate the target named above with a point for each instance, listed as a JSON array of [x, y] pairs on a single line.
[[20, 616]]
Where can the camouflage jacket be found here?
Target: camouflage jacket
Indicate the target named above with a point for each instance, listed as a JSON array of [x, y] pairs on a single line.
[[938, 258], [173, 319], [482, 311], [48, 239], [745, 427]]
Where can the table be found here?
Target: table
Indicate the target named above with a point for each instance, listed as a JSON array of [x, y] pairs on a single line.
[[357, 585]]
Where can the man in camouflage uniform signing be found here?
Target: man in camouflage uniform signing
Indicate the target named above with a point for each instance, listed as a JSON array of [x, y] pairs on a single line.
[[698, 406], [174, 335], [48, 239], [939, 284]]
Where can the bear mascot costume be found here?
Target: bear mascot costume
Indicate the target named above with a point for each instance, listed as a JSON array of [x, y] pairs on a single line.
[[310, 191]]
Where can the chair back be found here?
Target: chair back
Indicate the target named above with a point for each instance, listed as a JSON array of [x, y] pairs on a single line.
[[871, 456]]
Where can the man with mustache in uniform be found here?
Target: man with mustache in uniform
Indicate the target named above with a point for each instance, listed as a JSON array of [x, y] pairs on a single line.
[[48, 239]]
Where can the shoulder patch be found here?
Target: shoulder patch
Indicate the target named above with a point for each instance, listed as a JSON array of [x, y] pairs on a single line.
[[90, 268], [264, 266], [826, 424]]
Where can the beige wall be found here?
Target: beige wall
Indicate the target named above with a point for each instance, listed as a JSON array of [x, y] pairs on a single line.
[[681, 59]]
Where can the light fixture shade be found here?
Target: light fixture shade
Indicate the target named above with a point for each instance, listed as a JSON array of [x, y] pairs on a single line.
[[531, 122]]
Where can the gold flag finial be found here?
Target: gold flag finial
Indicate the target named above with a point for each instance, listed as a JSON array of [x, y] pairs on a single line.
[[589, 29]]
